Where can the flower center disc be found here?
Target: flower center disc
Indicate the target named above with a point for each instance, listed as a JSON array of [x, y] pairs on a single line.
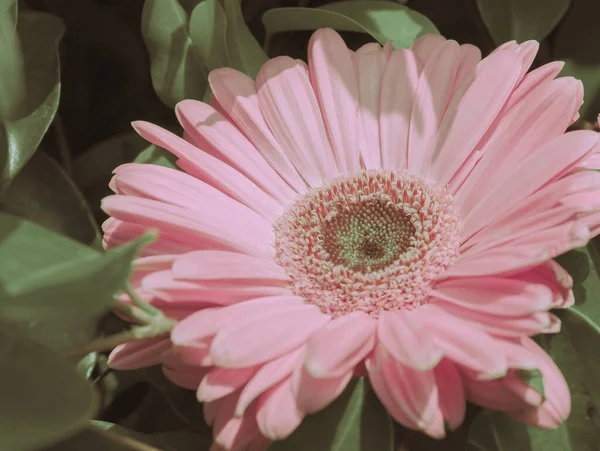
[[374, 241]]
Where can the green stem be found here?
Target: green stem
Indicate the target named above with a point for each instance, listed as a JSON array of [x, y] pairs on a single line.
[[159, 326], [140, 302]]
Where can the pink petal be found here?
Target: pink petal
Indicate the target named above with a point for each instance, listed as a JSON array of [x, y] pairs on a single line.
[[405, 338], [278, 414], [333, 78], [220, 382], [210, 131], [206, 323], [138, 354], [236, 93], [495, 295], [370, 62], [290, 108], [398, 89], [463, 342], [502, 325], [431, 100], [221, 265], [425, 46], [258, 338], [210, 169], [555, 409], [537, 160], [556, 278], [533, 79], [206, 293], [339, 346], [189, 379], [470, 56], [267, 376], [180, 189], [233, 433], [213, 229], [461, 129], [117, 233], [409, 396], [451, 393], [523, 253], [493, 394], [314, 394]]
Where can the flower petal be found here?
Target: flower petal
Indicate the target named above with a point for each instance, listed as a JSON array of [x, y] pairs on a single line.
[[431, 100], [277, 411], [398, 90], [463, 342], [139, 353], [222, 265], [236, 93], [314, 394], [410, 396], [333, 78], [220, 382], [256, 339], [210, 131], [336, 348], [210, 169], [267, 376], [407, 340], [451, 393], [214, 229], [290, 108]]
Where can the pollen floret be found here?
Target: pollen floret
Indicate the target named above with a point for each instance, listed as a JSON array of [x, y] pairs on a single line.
[[368, 242]]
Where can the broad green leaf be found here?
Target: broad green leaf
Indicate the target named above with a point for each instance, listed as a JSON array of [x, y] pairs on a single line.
[[48, 277], [20, 135], [245, 53], [12, 87], [182, 440], [43, 397], [176, 68], [385, 21], [583, 264], [355, 421], [208, 30], [575, 41], [157, 155], [12, 7], [521, 19], [575, 351], [43, 193]]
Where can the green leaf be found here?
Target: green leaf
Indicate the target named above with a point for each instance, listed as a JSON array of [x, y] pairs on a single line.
[[208, 30], [176, 68], [245, 53], [48, 277], [385, 21], [12, 88], [521, 19], [43, 193], [20, 135], [157, 155], [182, 440], [575, 42], [43, 397], [355, 421], [575, 351]]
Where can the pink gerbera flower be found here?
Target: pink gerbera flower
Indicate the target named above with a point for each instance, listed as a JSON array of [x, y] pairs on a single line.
[[384, 213]]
